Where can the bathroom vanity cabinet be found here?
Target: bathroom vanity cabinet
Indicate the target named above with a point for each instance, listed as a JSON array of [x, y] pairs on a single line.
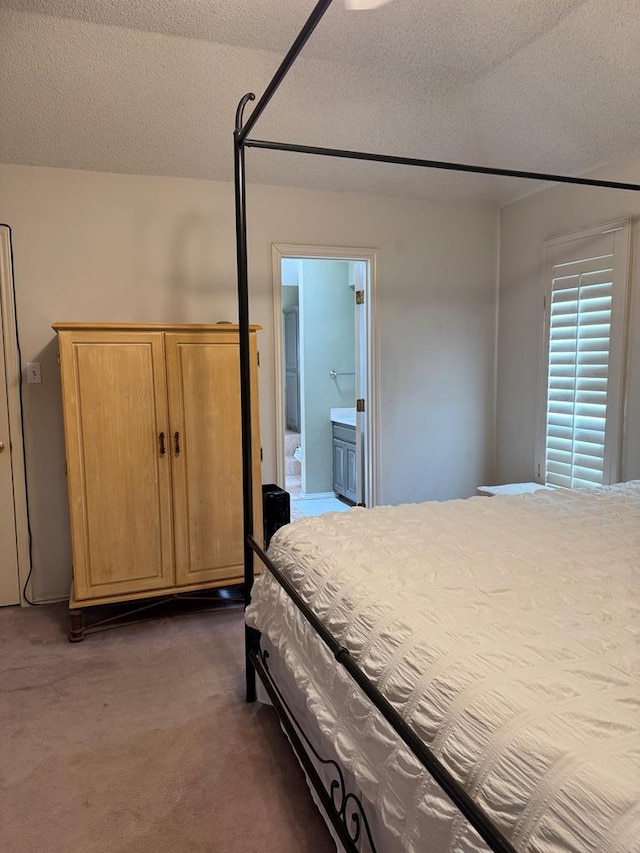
[[344, 461]]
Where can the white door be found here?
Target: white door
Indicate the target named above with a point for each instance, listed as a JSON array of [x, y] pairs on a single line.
[[9, 585], [358, 463], [9, 582]]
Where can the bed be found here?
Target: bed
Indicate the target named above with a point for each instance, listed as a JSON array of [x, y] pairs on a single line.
[[503, 631], [520, 793]]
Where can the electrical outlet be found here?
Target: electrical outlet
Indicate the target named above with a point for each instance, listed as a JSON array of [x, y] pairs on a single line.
[[34, 377]]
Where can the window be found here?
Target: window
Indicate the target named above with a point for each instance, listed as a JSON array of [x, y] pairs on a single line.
[[586, 282]]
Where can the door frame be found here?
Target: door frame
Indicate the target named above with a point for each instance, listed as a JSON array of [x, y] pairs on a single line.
[[370, 460], [13, 385]]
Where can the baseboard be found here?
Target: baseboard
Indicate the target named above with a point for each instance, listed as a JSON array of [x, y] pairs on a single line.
[[317, 496], [50, 599]]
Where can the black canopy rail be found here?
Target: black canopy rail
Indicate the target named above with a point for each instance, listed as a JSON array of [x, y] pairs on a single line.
[[242, 141], [435, 164], [283, 69]]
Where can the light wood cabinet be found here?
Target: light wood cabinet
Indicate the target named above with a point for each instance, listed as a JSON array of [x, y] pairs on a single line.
[[154, 464]]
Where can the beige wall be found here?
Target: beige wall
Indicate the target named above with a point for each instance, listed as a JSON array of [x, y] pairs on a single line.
[[524, 226], [93, 246]]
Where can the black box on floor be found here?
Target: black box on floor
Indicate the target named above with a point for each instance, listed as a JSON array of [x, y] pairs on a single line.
[[276, 510]]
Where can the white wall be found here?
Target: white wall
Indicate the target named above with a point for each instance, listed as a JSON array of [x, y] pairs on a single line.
[[111, 247], [524, 226]]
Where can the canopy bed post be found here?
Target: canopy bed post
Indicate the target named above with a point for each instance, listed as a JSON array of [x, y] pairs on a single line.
[[245, 377], [239, 137]]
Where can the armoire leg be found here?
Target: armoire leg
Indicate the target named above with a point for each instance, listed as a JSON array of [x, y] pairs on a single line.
[[76, 626]]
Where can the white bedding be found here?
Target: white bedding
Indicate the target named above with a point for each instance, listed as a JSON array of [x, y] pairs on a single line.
[[505, 631]]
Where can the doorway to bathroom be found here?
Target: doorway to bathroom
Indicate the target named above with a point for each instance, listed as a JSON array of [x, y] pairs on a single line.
[[326, 414]]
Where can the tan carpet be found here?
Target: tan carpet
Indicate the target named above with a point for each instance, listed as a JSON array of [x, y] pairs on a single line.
[[138, 741]]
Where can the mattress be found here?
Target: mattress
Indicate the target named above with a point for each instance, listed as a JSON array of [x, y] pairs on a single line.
[[505, 631]]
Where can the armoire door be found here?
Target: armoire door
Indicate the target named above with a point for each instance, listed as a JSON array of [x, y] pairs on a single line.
[[203, 376], [115, 407]]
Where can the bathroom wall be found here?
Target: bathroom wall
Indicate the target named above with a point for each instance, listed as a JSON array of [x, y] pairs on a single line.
[[327, 310], [289, 296]]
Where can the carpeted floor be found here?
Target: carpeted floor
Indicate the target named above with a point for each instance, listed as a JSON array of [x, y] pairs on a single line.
[[138, 740]]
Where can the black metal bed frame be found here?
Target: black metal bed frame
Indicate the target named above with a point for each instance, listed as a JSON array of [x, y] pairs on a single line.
[[344, 809]]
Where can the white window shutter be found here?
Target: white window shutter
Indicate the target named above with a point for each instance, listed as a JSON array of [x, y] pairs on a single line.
[[578, 375], [584, 361]]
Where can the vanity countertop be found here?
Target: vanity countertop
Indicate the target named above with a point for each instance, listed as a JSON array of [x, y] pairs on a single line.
[[345, 417]]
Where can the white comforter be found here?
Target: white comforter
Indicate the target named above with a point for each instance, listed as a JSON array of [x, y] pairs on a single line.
[[504, 630]]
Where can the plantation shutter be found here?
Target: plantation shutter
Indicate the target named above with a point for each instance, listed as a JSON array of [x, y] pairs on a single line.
[[580, 425], [578, 374]]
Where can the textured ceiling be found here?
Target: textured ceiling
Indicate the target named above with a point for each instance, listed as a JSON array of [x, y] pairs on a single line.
[[452, 38], [151, 87]]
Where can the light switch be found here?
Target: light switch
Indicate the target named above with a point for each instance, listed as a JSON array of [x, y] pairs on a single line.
[[34, 377]]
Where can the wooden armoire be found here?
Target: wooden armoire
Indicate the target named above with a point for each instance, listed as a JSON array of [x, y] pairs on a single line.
[[154, 459]]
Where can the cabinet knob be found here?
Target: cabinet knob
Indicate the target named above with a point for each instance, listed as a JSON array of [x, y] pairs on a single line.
[[163, 449], [2, 446], [176, 443]]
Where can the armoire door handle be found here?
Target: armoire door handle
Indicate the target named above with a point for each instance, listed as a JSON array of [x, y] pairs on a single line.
[[163, 449], [176, 443]]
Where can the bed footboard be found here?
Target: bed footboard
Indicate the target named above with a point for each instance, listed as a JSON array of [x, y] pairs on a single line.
[[337, 803], [343, 808]]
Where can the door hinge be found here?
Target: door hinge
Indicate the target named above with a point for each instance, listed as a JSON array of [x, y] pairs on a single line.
[[261, 457], [544, 302], [360, 405], [359, 297], [538, 470], [258, 358]]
